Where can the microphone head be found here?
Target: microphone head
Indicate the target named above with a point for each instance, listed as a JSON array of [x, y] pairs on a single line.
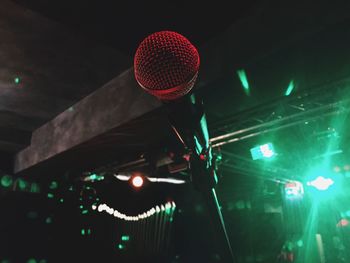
[[166, 65]]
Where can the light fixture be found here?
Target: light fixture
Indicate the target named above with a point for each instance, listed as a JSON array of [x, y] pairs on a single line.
[[321, 183], [137, 181]]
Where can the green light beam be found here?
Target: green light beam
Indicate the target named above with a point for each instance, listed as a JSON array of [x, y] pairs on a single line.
[[244, 80], [290, 88]]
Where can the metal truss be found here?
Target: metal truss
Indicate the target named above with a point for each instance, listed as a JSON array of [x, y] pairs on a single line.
[[285, 112]]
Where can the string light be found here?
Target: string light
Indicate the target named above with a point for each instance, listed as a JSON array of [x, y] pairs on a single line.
[[105, 208]]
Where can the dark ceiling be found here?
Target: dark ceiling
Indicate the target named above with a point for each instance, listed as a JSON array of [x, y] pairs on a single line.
[[122, 25], [61, 51]]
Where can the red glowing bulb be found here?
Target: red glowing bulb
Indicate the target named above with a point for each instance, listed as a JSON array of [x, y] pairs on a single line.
[[137, 181]]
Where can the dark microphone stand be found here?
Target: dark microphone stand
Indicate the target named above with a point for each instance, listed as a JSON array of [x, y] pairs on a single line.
[[189, 123]]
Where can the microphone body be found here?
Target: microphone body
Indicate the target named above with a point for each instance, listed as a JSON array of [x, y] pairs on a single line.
[[188, 120], [166, 65]]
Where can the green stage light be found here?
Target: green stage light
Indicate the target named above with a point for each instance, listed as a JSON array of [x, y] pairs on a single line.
[[95, 177], [17, 80], [293, 190], [53, 185], [34, 188], [48, 220], [125, 238], [22, 184], [84, 212], [321, 183], [244, 80], [6, 181], [324, 184], [300, 243], [121, 246], [290, 88], [265, 151]]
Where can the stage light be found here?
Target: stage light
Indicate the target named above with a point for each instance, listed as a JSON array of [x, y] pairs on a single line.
[[6, 181], [321, 183], [34, 188], [93, 178], [300, 243], [50, 195], [48, 220], [244, 80], [53, 185], [137, 181], [22, 184], [290, 88], [166, 180], [293, 190], [125, 238], [265, 151], [122, 177], [343, 223], [121, 246], [17, 80], [324, 184], [336, 169]]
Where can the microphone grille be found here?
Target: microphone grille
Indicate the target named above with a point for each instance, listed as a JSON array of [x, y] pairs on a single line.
[[166, 65]]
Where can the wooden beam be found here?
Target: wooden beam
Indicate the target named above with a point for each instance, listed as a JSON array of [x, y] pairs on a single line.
[[118, 102]]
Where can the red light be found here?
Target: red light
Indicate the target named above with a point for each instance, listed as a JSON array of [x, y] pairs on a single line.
[[137, 181], [202, 157], [343, 223]]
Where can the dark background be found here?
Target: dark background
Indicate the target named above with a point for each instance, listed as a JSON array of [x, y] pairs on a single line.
[[65, 50]]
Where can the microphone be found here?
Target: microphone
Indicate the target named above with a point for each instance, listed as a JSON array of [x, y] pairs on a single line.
[[166, 65]]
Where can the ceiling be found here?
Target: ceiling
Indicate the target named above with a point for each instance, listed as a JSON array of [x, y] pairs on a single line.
[[122, 25], [56, 53]]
